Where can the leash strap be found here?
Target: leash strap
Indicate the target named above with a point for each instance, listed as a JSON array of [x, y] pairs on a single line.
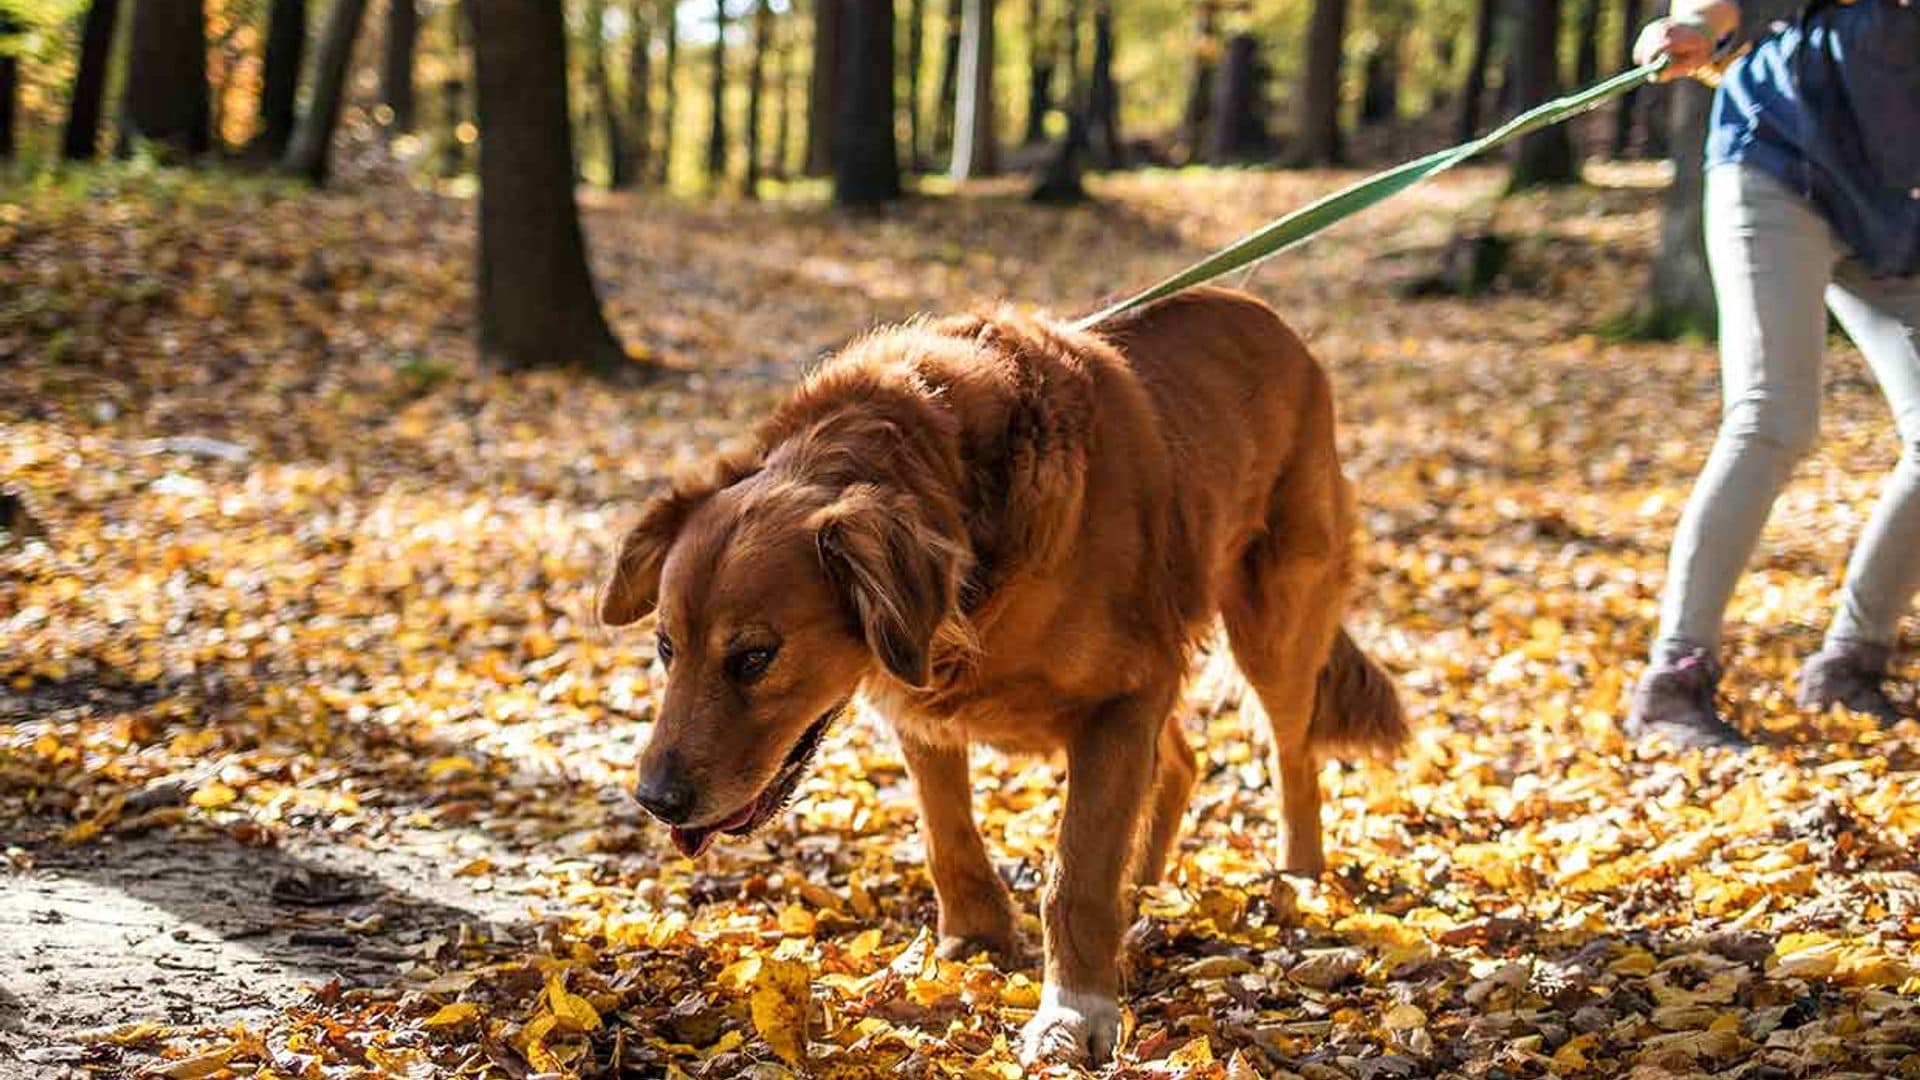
[[1295, 228]]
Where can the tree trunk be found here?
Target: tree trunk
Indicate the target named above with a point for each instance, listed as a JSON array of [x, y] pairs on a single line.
[[1039, 74], [1474, 93], [756, 75], [670, 98], [1317, 140], [9, 102], [82, 138], [1103, 96], [1546, 156], [948, 91], [1586, 63], [975, 152], [1072, 18], [313, 138], [1380, 92], [1239, 113], [1680, 298], [916, 59], [782, 129], [717, 128], [166, 92], [396, 66], [453, 150], [823, 99], [601, 80], [1060, 180], [1206, 49], [639, 111], [1623, 109], [537, 304], [866, 160]]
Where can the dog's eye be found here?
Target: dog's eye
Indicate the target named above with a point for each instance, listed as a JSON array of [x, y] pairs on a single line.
[[664, 646], [748, 665]]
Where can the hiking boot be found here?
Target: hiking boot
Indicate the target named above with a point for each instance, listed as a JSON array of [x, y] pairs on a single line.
[[1674, 701], [1851, 674]]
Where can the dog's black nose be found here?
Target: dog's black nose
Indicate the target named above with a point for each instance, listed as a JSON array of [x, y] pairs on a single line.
[[668, 797]]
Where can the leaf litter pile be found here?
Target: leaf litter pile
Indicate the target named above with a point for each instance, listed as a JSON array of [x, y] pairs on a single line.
[[295, 608]]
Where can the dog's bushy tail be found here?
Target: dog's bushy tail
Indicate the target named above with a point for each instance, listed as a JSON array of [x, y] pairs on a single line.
[[1355, 706]]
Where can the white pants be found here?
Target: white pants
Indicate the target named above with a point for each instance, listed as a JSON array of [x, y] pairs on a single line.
[[1777, 270]]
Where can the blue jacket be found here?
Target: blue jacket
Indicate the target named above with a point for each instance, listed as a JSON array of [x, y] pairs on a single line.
[[1829, 104]]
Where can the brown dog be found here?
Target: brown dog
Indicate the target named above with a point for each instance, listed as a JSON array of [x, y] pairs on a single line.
[[1004, 530]]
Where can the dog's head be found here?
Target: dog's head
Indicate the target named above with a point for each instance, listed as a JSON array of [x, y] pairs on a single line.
[[774, 599]]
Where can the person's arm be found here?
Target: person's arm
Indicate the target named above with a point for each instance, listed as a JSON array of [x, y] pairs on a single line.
[[1688, 35]]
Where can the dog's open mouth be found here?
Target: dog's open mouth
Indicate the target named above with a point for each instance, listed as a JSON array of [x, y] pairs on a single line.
[[691, 840]]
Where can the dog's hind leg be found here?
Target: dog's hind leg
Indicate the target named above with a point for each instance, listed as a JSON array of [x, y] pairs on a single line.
[[976, 914], [1173, 786]]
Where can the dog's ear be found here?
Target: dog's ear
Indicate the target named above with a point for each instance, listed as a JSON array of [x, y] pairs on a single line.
[[634, 589], [899, 576]]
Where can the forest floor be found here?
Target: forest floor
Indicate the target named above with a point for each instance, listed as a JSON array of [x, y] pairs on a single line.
[[311, 757]]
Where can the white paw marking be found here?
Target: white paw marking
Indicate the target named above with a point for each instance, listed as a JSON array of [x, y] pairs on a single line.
[[1070, 1026]]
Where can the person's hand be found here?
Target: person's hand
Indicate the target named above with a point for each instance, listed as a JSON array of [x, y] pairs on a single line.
[[1687, 47]]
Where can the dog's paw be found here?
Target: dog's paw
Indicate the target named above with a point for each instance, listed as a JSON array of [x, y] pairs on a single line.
[[1003, 951], [1070, 1028]]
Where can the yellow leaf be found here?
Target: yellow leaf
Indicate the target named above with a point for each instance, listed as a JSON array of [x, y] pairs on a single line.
[[1403, 1018], [456, 765], [796, 921], [571, 1011], [1195, 1054], [1572, 1055], [477, 868], [214, 795], [454, 1015], [196, 1067], [779, 1003]]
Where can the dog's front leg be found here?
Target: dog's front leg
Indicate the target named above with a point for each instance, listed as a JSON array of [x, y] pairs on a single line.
[[1110, 772], [976, 915]]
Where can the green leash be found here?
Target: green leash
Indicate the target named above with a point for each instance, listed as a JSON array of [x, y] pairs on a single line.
[[1285, 232]]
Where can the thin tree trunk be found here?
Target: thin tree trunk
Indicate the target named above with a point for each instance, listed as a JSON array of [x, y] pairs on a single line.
[[1103, 96], [756, 75], [537, 304], [1039, 73], [453, 148], [1206, 48], [717, 128], [948, 91], [396, 67], [1239, 115], [82, 139], [601, 80], [1679, 297], [1380, 93], [1586, 63], [1546, 156], [1623, 109], [166, 92], [866, 159], [916, 59], [975, 152], [1317, 140], [1474, 93], [670, 99], [783, 129], [312, 144], [823, 99], [9, 102], [639, 111], [1071, 21]]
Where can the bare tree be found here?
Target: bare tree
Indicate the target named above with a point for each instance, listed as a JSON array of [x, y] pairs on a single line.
[[946, 93], [1103, 94], [308, 153], [916, 59], [639, 110], [975, 151], [1317, 140], [537, 303], [82, 137], [166, 91], [600, 80], [1239, 104], [670, 94], [1546, 156], [1039, 72], [823, 98], [1206, 52], [1474, 93], [1679, 298], [717, 126], [396, 64], [866, 166], [1624, 108], [756, 75]]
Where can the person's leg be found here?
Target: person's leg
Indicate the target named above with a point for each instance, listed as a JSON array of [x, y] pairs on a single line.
[[1771, 257], [1883, 318]]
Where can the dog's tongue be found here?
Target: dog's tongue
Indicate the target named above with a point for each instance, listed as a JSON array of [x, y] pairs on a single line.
[[691, 842]]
